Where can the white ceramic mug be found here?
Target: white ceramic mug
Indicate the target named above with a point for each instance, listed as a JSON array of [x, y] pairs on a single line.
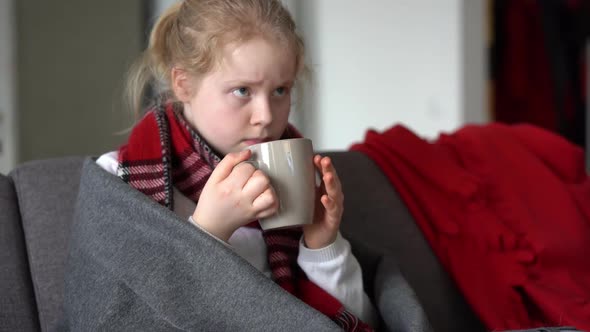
[[289, 165]]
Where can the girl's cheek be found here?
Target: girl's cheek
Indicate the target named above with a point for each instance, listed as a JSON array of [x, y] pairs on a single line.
[[285, 112], [233, 103]]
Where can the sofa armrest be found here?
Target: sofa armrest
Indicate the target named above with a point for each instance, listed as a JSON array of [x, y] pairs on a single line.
[[46, 191], [392, 296], [18, 311], [396, 301]]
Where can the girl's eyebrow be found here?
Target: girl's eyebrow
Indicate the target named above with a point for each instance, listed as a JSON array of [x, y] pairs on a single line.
[[243, 82], [255, 83]]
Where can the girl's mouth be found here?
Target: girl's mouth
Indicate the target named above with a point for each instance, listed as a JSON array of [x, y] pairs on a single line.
[[252, 141]]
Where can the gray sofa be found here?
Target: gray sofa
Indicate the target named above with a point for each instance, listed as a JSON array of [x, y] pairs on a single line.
[[36, 206]]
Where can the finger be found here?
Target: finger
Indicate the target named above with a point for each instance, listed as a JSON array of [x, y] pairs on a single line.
[[240, 175], [333, 212], [317, 161], [266, 201], [331, 179], [333, 193], [267, 213], [256, 184], [329, 203], [326, 165], [227, 164], [332, 185], [326, 202]]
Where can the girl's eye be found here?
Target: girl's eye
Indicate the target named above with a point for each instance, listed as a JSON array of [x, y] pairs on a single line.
[[280, 91], [241, 92]]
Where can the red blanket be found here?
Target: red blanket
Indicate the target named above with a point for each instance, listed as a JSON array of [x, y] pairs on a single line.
[[506, 209]]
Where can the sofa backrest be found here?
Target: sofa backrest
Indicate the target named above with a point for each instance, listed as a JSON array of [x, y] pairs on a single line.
[[46, 192], [18, 311], [375, 215]]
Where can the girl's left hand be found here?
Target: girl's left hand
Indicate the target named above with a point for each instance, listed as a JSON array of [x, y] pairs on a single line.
[[328, 207]]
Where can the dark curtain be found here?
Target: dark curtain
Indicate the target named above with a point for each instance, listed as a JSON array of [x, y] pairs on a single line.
[[538, 68]]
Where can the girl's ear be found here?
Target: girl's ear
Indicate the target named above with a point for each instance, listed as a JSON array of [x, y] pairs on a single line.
[[181, 84]]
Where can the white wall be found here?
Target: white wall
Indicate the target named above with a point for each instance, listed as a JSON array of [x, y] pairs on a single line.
[[384, 62], [381, 62], [8, 134]]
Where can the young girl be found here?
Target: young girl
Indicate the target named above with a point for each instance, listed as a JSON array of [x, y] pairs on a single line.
[[223, 72]]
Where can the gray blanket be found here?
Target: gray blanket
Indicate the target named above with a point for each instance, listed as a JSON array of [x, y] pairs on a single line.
[[136, 266]]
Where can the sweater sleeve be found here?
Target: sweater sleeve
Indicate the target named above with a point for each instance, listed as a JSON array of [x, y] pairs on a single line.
[[109, 162], [335, 269]]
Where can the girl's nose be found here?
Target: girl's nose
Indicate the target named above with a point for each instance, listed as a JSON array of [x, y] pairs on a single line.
[[262, 112]]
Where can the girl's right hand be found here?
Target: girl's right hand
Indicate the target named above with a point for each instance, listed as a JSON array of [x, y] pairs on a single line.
[[235, 194]]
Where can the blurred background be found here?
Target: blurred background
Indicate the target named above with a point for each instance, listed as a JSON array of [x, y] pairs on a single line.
[[431, 65]]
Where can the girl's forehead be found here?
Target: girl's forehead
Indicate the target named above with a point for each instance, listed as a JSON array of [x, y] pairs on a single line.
[[257, 60]]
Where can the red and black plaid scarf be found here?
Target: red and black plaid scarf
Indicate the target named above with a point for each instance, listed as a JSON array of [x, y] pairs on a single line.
[[163, 151]]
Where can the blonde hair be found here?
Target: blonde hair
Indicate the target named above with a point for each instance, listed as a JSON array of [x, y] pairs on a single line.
[[191, 35]]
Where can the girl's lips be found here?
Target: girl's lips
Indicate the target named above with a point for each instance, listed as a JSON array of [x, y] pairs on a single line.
[[256, 141]]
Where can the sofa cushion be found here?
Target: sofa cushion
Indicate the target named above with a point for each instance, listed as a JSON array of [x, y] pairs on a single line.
[[17, 302], [46, 192], [374, 214]]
